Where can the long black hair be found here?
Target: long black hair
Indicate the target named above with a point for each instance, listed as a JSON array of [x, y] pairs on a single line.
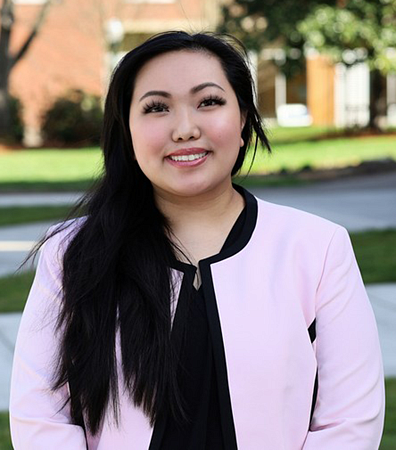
[[116, 268]]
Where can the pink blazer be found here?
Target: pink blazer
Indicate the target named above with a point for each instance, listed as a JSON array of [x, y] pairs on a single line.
[[293, 268]]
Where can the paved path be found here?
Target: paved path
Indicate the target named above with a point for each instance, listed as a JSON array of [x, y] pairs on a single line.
[[357, 203], [383, 300], [16, 242], [36, 199], [9, 324]]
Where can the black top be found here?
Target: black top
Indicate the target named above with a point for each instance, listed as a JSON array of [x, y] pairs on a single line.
[[197, 374]]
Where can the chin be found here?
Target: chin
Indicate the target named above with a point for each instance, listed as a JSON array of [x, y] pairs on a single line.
[[198, 188]]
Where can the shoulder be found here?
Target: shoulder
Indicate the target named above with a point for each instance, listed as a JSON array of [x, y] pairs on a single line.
[[302, 236], [295, 222]]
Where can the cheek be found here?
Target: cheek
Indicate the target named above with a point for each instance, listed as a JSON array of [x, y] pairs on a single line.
[[226, 131], [147, 139]]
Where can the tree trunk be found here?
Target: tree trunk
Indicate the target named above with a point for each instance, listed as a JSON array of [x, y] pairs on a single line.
[[7, 20], [8, 61], [5, 113], [375, 98]]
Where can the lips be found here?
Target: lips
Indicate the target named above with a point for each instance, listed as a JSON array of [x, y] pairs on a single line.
[[188, 157], [191, 157]]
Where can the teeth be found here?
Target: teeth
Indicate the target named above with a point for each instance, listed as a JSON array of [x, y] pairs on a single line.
[[188, 157]]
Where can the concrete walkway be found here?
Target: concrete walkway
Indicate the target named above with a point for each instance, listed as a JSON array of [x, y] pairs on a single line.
[[356, 203], [37, 199]]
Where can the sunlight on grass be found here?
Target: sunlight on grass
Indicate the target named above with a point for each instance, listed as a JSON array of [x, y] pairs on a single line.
[[50, 165], [331, 153]]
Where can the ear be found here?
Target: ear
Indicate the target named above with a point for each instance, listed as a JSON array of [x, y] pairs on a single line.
[[243, 121]]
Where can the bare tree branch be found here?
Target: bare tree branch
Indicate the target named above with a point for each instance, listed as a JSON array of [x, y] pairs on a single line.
[[7, 21], [36, 28]]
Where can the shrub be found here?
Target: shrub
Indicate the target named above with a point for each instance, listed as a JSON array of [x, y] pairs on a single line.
[[16, 119], [74, 119], [13, 132]]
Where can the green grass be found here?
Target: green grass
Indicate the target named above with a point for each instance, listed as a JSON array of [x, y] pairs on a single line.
[[323, 154], [388, 439], [75, 169], [5, 439], [49, 169], [14, 290], [281, 135], [376, 255], [389, 436], [29, 214], [376, 262]]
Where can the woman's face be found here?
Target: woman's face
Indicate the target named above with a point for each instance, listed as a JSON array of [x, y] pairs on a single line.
[[185, 124]]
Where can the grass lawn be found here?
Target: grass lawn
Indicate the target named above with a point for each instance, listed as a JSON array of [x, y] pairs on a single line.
[[5, 439], [293, 149], [14, 290], [389, 436], [323, 154], [377, 260], [281, 135], [49, 169], [388, 439], [28, 214]]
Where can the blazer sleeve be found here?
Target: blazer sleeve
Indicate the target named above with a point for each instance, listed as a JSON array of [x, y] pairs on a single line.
[[349, 411], [37, 418]]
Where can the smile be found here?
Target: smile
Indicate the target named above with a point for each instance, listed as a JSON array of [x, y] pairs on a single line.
[[188, 157]]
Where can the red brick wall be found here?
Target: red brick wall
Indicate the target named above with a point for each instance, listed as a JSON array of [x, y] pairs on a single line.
[[69, 52]]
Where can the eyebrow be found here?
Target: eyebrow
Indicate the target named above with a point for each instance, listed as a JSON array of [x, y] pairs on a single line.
[[194, 90]]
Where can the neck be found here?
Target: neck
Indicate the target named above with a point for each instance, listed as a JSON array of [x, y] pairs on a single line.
[[207, 207], [201, 224]]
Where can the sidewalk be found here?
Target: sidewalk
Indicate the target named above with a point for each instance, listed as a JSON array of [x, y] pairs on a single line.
[[38, 199]]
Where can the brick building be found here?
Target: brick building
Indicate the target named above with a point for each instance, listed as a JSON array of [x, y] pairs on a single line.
[[72, 49]]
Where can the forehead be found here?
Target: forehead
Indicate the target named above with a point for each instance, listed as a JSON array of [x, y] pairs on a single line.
[[179, 69]]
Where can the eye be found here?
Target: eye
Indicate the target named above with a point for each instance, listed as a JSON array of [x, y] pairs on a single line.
[[155, 107], [212, 100]]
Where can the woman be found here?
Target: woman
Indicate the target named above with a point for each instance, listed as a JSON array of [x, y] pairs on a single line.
[[181, 312]]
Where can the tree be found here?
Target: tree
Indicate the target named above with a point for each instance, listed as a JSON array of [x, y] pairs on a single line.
[[265, 23], [8, 60], [360, 30], [350, 31]]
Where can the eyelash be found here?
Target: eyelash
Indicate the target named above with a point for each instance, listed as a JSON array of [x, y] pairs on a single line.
[[150, 107], [154, 105], [214, 98]]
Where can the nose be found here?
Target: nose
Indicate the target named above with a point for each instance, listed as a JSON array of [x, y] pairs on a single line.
[[185, 127]]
